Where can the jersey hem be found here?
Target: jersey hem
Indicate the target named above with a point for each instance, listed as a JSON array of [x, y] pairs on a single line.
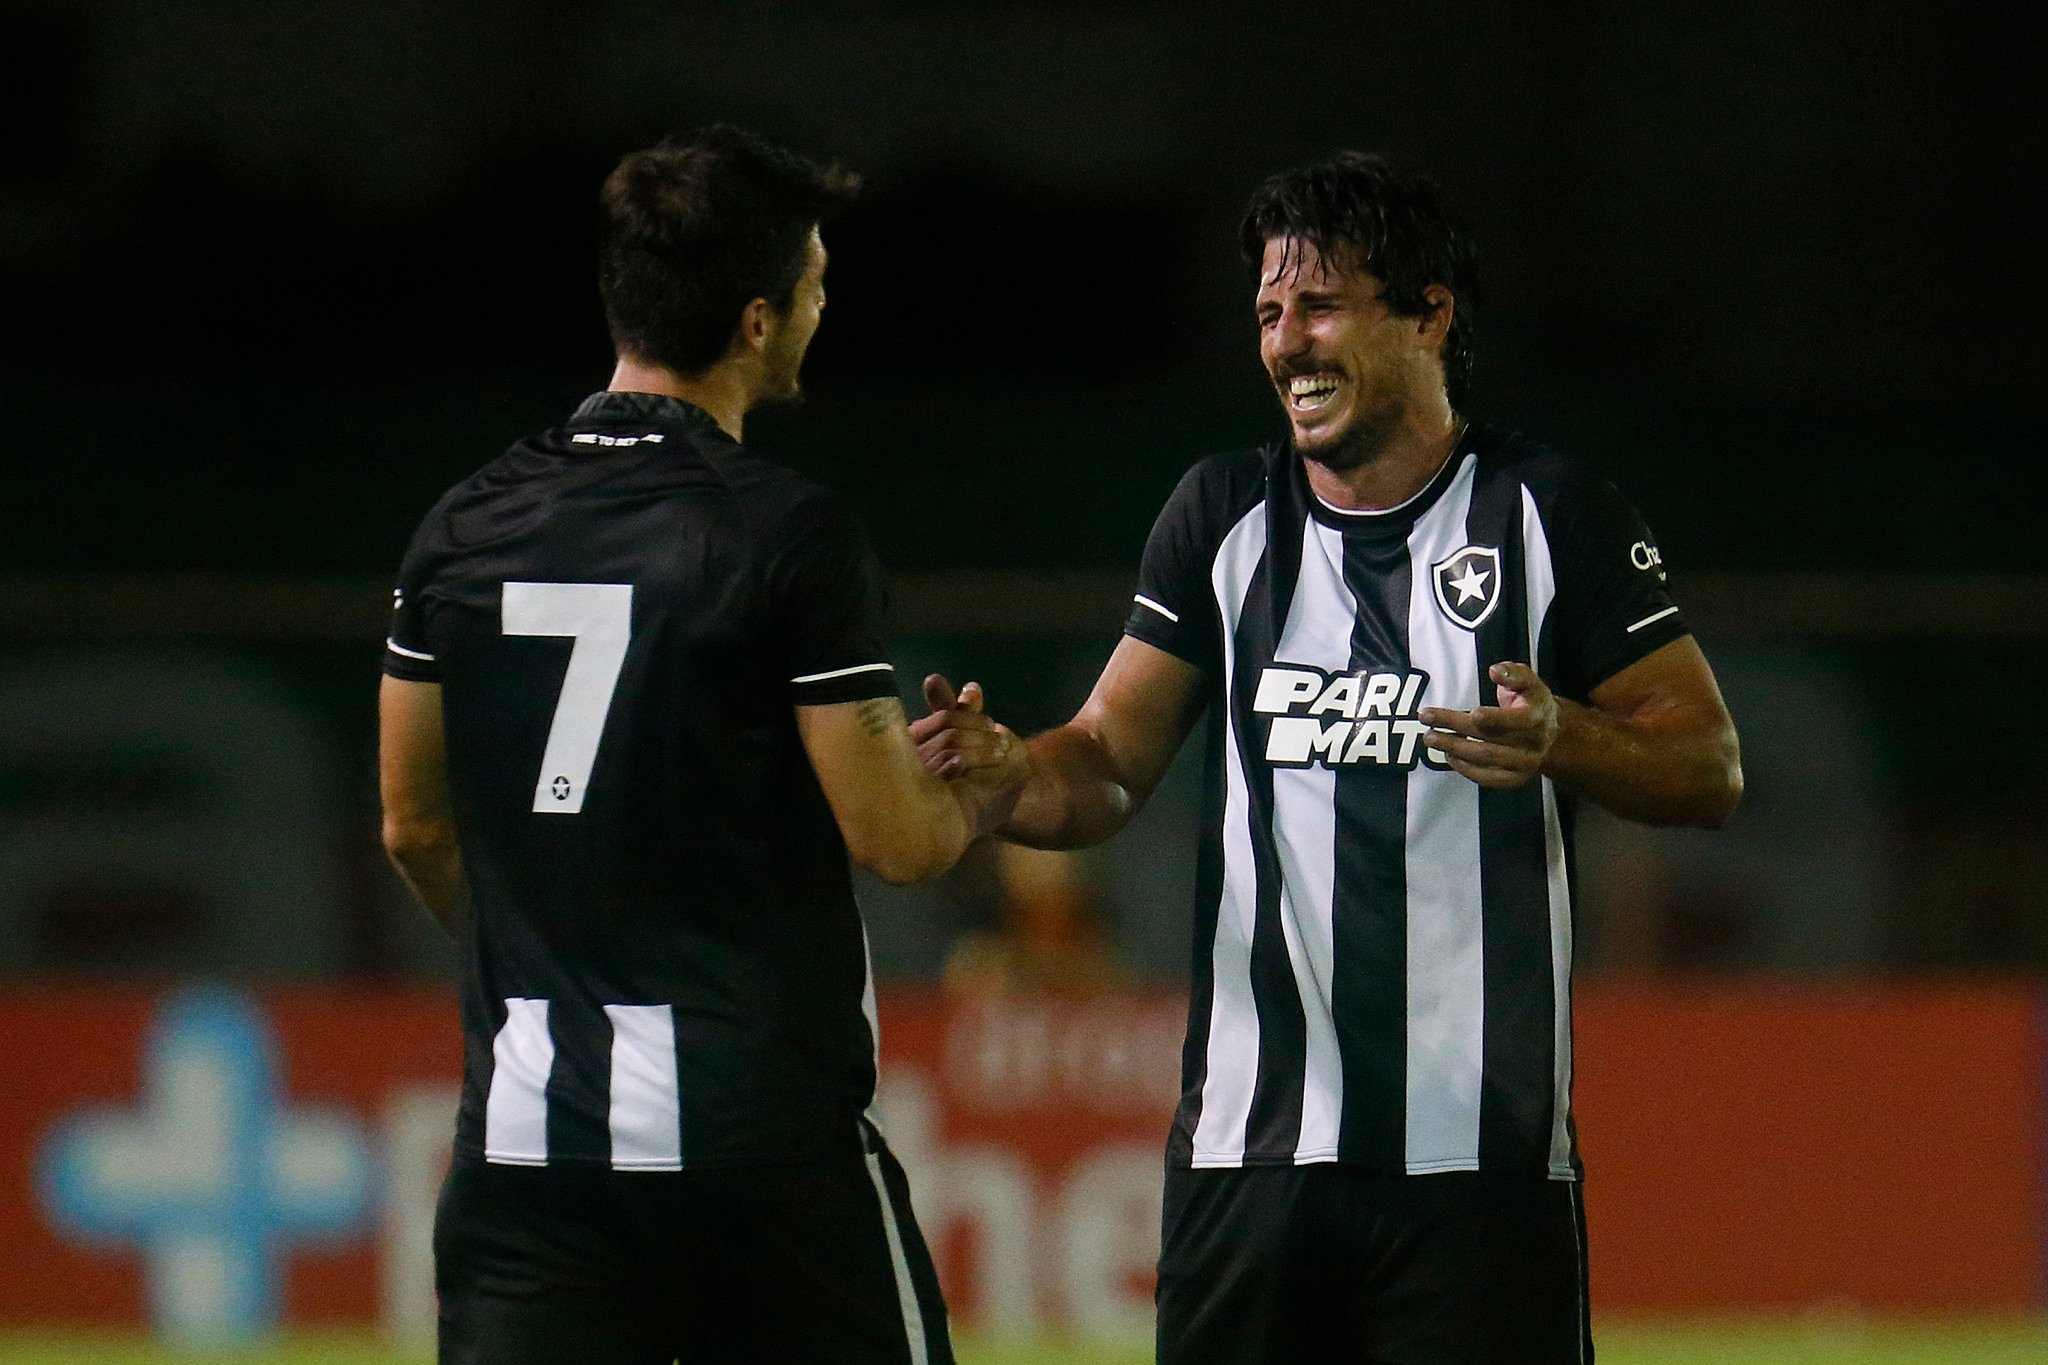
[[1328, 1156], [468, 1151]]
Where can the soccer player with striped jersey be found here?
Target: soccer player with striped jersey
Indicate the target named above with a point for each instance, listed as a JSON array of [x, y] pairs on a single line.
[[1419, 641], [638, 708]]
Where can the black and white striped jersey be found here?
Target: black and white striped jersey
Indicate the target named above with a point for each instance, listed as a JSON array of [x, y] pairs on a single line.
[[665, 966], [1382, 949]]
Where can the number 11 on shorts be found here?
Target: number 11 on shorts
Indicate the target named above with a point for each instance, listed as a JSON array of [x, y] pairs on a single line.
[[599, 617]]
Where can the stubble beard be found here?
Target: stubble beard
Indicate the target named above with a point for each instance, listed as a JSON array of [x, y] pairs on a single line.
[[1361, 442]]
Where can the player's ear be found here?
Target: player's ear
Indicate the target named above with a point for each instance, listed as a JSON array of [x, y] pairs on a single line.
[[757, 321], [1435, 324]]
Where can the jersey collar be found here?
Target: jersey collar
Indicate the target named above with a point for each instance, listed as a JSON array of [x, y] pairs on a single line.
[[613, 408], [1393, 521]]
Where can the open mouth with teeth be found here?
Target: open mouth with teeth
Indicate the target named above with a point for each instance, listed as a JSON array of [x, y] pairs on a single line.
[[1311, 392]]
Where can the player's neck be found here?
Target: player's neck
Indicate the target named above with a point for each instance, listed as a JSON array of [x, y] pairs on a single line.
[[1401, 468], [719, 391]]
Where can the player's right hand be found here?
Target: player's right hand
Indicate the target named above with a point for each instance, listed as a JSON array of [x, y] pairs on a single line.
[[958, 739]]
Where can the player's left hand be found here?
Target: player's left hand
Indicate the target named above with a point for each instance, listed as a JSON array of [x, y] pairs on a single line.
[[958, 739], [1498, 746]]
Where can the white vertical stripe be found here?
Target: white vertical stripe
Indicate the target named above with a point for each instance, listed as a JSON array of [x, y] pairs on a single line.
[[1446, 958], [906, 1289], [646, 1112], [1541, 576], [516, 1109], [1318, 633], [1233, 1056]]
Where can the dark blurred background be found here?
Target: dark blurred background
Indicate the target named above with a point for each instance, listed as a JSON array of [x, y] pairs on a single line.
[[275, 275]]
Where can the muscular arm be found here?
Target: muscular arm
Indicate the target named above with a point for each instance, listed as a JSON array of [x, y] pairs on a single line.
[[1091, 775], [1657, 745], [419, 822], [899, 821]]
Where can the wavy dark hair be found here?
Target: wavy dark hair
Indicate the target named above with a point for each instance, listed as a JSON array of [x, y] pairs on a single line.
[[699, 226], [1400, 227]]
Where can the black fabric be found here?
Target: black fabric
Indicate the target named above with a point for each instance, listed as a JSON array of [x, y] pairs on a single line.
[[736, 1267], [704, 869], [1325, 1263], [1369, 913]]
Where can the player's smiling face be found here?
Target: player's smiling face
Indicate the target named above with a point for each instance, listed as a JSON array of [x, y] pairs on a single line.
[[1336, 355]]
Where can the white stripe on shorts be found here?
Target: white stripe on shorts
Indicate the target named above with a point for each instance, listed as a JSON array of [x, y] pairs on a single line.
[[906, 1291]]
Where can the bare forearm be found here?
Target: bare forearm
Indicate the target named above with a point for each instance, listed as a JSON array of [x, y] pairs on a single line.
[[935, 833], [430, 863], [1672, 767], [1074, 797]]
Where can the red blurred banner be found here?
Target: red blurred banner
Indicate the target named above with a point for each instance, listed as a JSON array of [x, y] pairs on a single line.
[[214, 1162]]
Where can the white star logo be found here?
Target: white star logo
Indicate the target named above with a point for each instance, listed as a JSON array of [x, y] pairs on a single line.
[[1472, 585]]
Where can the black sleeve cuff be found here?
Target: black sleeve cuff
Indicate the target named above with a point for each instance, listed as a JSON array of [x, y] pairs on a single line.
[[1147, 625], [1638, 644], [412, 665]]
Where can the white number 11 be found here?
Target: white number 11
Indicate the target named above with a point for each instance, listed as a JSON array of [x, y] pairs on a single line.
[[599, 616]]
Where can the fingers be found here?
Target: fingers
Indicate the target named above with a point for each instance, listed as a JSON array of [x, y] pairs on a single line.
[[1518, 678], [958, 739], [1507, 724], [962, 752], [1497, 779]]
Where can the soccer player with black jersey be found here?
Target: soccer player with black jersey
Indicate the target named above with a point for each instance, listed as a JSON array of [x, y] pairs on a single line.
[[637, 705], [1419, 641]]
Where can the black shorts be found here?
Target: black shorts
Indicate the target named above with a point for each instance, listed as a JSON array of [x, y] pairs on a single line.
[[569, 1266], [1325, 1264]]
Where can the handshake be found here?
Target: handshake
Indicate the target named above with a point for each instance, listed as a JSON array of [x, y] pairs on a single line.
[[987, 763]]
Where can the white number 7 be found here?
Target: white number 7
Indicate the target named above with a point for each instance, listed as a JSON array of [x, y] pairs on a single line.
[[600, 618]]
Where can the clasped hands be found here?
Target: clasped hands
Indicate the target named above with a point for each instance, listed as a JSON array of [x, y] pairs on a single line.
[[958, 742], [1500, 746]]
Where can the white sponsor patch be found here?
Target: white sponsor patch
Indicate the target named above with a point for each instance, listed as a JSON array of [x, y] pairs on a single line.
[[1343, 718]]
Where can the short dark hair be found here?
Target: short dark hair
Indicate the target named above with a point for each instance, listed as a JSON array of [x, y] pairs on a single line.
[[1397, 222], [699, 226]]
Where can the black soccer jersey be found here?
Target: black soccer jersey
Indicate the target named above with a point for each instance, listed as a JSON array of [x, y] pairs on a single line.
[[665, 965], [1382, 957]]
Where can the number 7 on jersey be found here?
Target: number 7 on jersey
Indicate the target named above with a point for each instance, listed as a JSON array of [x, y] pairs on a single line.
[[599, 617]]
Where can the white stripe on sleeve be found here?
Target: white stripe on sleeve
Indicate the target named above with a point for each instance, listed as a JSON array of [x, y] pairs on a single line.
[[397, 648], [842, 673], [1652, 619], [1145, 601]]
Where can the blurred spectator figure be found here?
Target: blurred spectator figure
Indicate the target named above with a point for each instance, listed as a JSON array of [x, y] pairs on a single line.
[[1048, 936]]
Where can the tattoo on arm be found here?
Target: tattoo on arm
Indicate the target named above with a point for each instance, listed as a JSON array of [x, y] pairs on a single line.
[[876, 716]]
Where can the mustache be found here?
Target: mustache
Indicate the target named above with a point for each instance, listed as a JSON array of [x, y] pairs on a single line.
[[1291, 369]]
